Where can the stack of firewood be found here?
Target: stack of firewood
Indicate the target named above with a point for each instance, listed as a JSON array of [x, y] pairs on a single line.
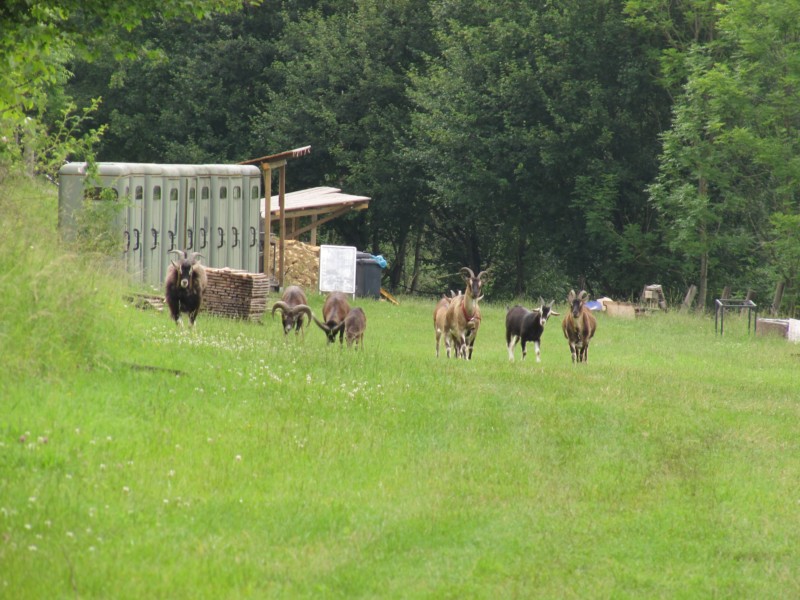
[[302, 265], [236, 294]]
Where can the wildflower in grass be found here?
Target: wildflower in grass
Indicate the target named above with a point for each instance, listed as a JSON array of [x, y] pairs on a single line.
[[171, 473], [32, 548], [28, 526], [70, 534], [125, 489], [238, 457], [32, 499]]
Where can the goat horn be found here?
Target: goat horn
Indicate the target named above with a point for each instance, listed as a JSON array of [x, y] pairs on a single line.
[[541, 301], [282, 306], [466, 272], [181, 252], [322, 325], [583, 295], [302, 308], [194, 255], [483, 273], [338, 328]]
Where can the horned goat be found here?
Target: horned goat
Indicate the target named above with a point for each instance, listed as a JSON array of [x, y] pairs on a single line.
[[185, 285], [579, 325], [334, 312], [463, 317], [355, 324], [523, 325], [293, 306]]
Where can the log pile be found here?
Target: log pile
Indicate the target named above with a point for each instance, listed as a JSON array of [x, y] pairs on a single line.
[[302, 265], [236, 294]]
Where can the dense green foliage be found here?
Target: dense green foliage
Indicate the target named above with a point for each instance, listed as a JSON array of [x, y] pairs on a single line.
[[229, 462], [603, 144]]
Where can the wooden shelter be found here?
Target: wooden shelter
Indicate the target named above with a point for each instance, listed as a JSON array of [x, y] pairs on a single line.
[[321, 204]]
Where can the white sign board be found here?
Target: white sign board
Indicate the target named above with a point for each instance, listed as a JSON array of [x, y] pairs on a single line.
[[337, 269]]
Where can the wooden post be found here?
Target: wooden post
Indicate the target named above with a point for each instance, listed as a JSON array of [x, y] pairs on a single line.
[[726, 292], [282, 203], [267, 216], [314, 230]]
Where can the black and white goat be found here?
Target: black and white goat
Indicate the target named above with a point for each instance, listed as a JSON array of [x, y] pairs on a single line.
[[334, 312], [185, 285], [523, 325], [293, 306], [579, 325], [463, 317]]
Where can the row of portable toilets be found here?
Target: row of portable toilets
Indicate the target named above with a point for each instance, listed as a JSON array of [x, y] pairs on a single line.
[[210, 209]]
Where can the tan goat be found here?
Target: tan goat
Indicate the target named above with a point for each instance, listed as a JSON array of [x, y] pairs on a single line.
[[579, 325], [463, 317]]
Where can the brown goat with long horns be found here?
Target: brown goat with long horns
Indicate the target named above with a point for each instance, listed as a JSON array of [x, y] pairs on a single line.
[[293, 306], [579, 325], [463, 316], [334, 312]]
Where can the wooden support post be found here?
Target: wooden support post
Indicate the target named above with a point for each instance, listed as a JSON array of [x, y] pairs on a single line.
[[313, 230], [282, 241], [267, 217], [726, 292]]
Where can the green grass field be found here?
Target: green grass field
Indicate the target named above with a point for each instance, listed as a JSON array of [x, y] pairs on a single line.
[[666, 467]]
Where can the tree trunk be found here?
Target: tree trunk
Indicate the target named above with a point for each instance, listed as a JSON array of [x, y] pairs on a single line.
[[702, 293], [702, 190], [417, 252], [398, 264], [778, 298], [519, 283]]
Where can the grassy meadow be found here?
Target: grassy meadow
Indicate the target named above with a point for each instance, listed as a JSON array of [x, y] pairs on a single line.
[[139, 460]]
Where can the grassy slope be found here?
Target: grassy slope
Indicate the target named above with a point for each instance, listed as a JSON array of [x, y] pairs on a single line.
[[666, 467]]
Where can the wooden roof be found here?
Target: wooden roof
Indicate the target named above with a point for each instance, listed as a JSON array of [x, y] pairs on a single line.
[[316, 201], [281, 156]]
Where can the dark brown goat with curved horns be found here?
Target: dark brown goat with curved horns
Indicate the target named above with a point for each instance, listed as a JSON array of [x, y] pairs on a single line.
[[293, 306], [523, 325], [185, 285], [463, 316], [334, 311], [579, 325]]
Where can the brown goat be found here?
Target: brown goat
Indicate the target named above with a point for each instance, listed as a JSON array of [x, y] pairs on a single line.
[[579, 325], [334, 312], [439, 319], [463, 316], [355, 324], [293, 305], [184, 286]]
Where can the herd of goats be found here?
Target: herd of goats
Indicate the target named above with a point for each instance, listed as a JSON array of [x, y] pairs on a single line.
[[457, 317]]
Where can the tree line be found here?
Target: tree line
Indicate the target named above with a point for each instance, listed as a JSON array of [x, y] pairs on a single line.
[[599, 144]]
